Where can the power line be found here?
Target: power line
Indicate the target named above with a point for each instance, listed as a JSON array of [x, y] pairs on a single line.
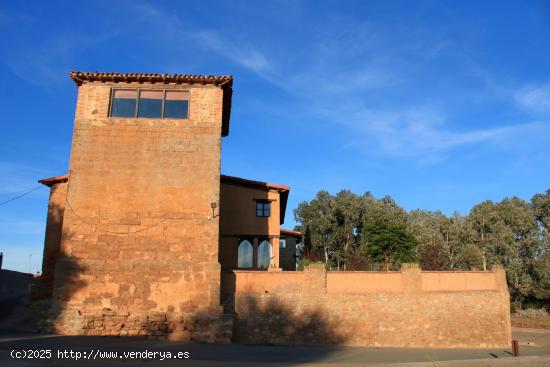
[[98, 226], [21, 195]]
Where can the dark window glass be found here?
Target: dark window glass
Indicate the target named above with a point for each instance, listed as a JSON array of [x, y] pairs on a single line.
[[124, 103], [150, 104], [262, 209], [176, 105]]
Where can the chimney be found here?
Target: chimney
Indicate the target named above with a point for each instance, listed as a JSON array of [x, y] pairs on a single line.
[[1, 258]]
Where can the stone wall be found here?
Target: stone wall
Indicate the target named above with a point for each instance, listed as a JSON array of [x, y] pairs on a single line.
[[42, 285], [410, 308], [139, 249]]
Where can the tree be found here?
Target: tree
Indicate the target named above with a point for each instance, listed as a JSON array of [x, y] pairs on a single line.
[[317, 215], [350, 231], [388, 242], [507, 232], [471, 257], [426, 227]]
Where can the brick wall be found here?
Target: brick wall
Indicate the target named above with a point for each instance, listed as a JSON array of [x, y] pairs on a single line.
[[139, 253], [380, 309]]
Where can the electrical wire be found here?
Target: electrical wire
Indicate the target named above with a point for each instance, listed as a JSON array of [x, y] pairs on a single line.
[[126, 233], [21, 195]]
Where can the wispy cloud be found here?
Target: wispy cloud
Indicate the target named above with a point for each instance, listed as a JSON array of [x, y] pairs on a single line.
[[241, 54], [535, 98], [341, 78], [420, 133], [172, 28]]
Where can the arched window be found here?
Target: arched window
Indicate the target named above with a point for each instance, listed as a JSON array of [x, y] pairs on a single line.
[[245, 254], [264, 254]]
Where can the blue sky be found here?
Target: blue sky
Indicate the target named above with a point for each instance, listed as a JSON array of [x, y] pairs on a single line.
[[439, 104]]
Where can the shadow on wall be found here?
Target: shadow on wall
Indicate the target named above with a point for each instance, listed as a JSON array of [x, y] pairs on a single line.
[[43, 285], [59, 272], [278, 320], [67, 298], [33, 310]]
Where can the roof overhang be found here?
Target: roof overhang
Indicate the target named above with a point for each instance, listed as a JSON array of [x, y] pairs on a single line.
[[54, 180], [225, 82], [283, 190], [289, 233]]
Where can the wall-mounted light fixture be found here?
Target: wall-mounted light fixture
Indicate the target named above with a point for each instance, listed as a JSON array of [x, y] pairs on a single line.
[[213, 206]]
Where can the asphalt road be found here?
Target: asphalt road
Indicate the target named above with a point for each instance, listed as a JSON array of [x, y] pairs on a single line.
[[48, 350]]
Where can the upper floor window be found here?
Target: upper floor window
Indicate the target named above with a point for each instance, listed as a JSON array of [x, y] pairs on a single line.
[[150, 103], [263, 208]]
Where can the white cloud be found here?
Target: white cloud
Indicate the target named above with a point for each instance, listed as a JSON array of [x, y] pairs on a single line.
[[535, 98], [421, 133]]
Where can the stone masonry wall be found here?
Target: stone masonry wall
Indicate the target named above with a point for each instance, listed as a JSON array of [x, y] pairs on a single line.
[[42, 286], [396, 309], [139, 251]]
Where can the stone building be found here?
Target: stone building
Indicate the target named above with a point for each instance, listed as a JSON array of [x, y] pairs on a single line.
[[139, 230], [144, 236]]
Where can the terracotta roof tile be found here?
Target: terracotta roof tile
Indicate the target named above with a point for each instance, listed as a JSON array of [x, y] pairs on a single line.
[[53, 180], [84, 76]]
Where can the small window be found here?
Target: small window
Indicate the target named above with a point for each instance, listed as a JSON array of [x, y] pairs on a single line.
[[263, 208], [124, 103], [282, 243], [150, 103], [176, 105]]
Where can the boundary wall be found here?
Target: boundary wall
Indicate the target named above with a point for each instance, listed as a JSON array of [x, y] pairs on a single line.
[[410, 308]]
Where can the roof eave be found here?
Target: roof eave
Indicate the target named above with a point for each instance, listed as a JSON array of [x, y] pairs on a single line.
[[225, 82]]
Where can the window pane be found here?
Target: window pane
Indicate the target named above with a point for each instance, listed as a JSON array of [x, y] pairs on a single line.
[[244, 255], [259, 213], [150, 104], [266, 209], [176, 105], [124, 103], [264, 254], [177, 95]]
